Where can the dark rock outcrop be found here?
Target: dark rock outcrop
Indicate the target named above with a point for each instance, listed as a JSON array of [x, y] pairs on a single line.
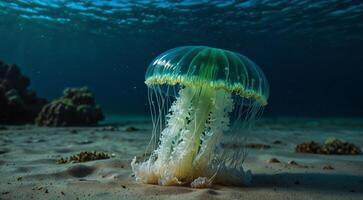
[[77, 107], [18, 105]]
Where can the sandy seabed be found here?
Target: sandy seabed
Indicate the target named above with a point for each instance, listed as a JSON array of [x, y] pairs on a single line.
[[29, 169]]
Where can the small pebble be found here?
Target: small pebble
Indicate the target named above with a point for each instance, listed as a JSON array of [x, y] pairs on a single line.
[[273, 160], [277, 142], [131, 129], [328, 167], [109, 128], [212, 192], [292, 162], [85, 142]]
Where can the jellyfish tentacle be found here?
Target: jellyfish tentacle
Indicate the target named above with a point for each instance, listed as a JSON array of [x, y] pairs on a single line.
[[195, 125]]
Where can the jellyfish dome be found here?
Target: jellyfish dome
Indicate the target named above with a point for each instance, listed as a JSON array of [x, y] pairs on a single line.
[[199, 99], [201, 66]]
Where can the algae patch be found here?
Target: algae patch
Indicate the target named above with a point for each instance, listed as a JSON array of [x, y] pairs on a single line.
[[84, 156], [331, 146]]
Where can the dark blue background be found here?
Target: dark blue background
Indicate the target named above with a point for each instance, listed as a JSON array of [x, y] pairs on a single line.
[[316, 74]]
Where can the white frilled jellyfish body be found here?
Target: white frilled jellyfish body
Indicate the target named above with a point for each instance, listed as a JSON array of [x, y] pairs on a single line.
[[200, 97]]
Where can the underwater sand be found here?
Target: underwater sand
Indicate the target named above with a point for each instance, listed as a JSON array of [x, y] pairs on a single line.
[[28, 167]]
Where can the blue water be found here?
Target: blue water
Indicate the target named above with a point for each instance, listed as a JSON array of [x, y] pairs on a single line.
[[310, 50]]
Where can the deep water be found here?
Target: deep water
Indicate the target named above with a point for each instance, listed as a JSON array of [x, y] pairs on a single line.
[[310, 50]]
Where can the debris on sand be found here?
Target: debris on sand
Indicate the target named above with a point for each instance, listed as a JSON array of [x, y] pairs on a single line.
[[241, 145], [109, 128], [84, 156], [258, 146], [273, 160], [308, 147], [232, 145], [328, 167], [277, 142], [292, 162], [131, 129], [331, 146]]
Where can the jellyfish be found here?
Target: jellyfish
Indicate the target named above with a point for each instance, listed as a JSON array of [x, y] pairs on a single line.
[[201, 99]]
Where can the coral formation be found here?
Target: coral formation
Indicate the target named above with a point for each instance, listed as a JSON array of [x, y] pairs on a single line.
[[331, 146], [76, 107], [18, 105], [84, 156]]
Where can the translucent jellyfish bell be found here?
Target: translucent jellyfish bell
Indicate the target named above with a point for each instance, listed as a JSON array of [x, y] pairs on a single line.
[[188, 131], [216, 68]]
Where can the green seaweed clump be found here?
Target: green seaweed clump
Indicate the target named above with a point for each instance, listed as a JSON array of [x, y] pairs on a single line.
[[77, 107], [84, 156], [331, 146]]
